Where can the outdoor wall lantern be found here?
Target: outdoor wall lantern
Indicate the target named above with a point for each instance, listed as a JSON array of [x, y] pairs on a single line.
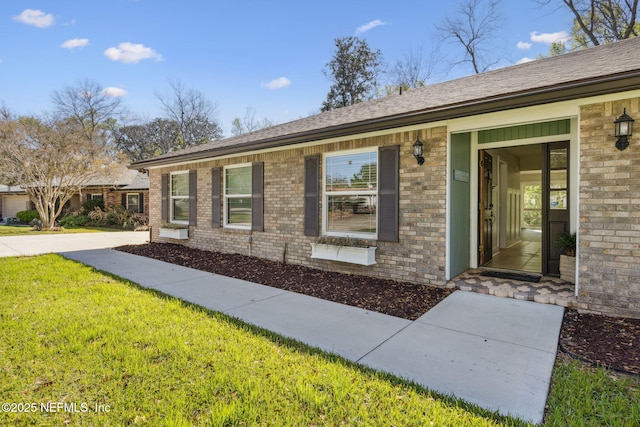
[[417, 151], [624, 129]]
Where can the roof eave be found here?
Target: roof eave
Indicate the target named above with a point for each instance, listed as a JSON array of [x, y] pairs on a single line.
[[564, 92]]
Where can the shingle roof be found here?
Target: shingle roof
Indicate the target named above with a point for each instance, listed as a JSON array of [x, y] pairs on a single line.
[[604, 69]]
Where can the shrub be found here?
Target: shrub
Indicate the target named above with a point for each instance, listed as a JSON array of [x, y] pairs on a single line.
[[75, 221], [26, 217], [97, 216], [90, 205]]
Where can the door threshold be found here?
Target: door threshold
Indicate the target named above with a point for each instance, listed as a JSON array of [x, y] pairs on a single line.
[[499, 273]]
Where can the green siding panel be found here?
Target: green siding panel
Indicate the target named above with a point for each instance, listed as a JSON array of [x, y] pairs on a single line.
[[534, 130], [459, 214]]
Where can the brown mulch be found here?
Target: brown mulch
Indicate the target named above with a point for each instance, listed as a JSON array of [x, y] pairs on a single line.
[[602, 340], [608, 341], [405, 300]]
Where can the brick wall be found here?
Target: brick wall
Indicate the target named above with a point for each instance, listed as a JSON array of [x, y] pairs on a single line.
[[609, 230], [419, 256]]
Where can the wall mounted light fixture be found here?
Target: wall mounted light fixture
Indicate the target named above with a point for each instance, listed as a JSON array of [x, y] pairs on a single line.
[[624, 129], [417, 151]]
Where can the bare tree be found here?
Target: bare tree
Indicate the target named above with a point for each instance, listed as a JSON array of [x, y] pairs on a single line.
[[598, 22], [474, 27], [249, 123], [51, 159], [194, 113], [411, 72], [88, 105]]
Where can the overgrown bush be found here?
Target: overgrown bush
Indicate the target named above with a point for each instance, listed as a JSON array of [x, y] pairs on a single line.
[[75, 221], [113, 217], [90, 205], [26, 217]]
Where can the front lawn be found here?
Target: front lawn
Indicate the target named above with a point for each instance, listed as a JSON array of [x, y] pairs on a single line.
[[80, 347], [13, 230]]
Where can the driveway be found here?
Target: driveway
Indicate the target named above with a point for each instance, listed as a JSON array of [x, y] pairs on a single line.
[[49, 243]]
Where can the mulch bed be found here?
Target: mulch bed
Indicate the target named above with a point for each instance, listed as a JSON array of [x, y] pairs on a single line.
[[405, 300], [602, 340], [607, 341]]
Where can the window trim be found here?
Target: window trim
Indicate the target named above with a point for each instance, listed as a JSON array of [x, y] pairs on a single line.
[[93, 195], [225, 207], [325, 195], [171, 197]]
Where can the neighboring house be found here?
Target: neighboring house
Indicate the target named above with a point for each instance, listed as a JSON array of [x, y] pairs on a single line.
[[129, 190], [13, 199], [511, 157]]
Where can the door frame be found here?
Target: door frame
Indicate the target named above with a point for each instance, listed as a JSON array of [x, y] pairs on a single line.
[[474, 159]]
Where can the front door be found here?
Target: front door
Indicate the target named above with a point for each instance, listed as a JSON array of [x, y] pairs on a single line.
[[555, 203], [485, 234]]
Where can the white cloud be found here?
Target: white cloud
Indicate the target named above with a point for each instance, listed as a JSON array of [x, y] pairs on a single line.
[[130, 53], [524, 45], [75, 43], [36, 17], [523, 60], [278, 83], [371, 25], [114, 92], [548, 38]]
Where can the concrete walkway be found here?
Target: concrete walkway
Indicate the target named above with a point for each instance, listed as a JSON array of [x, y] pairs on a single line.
[[37, 244], [497, 353]]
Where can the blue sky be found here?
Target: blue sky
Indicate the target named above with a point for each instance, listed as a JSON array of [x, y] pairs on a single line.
[[267, 55]]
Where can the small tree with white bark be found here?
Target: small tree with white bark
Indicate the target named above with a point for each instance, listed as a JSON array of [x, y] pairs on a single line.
[[51, 160]]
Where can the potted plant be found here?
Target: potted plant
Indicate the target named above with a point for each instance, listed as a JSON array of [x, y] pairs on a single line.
[[344, 249], [174, 231], [566, 242]]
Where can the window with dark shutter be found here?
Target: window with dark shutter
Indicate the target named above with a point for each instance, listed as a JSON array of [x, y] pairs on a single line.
[[215, 198], [312, 195], [164, 184], [193, 199], [388, 193], [257, 196]]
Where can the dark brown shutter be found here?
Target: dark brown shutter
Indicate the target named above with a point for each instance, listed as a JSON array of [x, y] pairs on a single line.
[[165, 197], [388, 193], [124, 200], [257, 196], [312, 195], [193, 199], [215, 197], [141, 203]]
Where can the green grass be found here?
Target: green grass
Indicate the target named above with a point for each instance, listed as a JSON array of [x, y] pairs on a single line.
[[12, 230], [71, 334]]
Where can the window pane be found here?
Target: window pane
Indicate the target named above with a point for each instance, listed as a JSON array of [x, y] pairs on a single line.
[[238, 180], [132, 202], [239, 211], [559, 179], [180, 209], [558, 158], [558, 199], [180, 184], [352, 172], [352, 214]]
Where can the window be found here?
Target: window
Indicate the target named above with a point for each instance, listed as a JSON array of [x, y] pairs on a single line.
[[134, 202], [179, 194], [97, 196], [351, 194], [237, 196]]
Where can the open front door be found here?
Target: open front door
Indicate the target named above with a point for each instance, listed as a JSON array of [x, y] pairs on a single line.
[[555, 203], [485, 226]]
